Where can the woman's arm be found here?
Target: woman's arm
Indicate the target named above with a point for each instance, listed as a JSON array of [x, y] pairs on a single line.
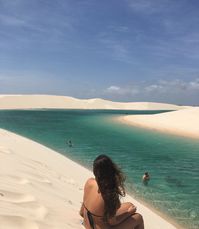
[[86, 186], [81, 211], [125, 211]]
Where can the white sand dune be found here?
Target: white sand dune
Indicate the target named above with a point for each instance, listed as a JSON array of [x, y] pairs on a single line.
[[64, 102], [41, 189], [183, 122]]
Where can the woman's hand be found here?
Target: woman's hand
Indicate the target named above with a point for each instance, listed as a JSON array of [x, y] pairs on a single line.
[[132, 209]]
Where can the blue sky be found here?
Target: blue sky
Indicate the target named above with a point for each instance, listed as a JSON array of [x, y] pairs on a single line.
[[122, 50]]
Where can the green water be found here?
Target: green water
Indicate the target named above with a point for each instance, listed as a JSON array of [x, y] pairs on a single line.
[[171, 161]]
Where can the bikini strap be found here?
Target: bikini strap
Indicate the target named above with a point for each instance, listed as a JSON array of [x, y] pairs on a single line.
[[91, 212]]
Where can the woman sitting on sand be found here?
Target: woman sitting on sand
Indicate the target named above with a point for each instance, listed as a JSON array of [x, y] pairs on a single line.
[[101, 208]]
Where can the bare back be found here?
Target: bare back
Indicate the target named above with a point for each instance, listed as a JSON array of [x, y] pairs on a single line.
[[93, 203]]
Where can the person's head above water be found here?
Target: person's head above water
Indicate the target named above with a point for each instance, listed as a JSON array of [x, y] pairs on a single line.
[[110, 180]]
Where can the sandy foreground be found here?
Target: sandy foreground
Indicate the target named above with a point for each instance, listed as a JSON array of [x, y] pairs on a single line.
[[42, 189], [182, 122], [65, 102]]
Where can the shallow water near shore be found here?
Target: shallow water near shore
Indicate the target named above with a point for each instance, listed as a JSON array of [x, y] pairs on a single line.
[[171, 161]]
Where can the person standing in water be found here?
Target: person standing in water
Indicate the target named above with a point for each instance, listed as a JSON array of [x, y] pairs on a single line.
[[145, 178], [69, 143]]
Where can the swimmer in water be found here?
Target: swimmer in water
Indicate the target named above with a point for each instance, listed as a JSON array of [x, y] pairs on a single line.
[[70, 144], [145, 178]]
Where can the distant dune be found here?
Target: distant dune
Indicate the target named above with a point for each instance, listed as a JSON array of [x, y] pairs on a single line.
[[64, 102], [183, 122]]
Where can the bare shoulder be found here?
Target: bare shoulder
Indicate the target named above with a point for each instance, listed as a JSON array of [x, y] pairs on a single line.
[[90, 181]]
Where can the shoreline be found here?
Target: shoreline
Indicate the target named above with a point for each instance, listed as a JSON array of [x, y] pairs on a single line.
[[47, 183], [183, 123], [157, 130], [156, 211]]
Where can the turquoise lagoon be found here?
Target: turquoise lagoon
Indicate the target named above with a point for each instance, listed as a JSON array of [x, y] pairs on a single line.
[[172, 161]]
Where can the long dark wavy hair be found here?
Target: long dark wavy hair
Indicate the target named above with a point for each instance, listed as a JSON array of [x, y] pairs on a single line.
[[110, 180]]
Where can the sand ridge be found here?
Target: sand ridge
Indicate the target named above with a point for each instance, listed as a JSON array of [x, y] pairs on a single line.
[[66, 102], [182, 122]]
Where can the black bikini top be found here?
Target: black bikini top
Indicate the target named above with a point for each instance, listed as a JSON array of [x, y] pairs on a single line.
[[91, 212], [90, 217]]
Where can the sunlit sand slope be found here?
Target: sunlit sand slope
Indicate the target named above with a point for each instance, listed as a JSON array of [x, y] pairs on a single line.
[[183, 122]]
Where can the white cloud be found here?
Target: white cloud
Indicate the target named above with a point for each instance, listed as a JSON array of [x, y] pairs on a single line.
[[119, 29], [140, 5], [123, 91], [113, 88], [148, 6], [174, 91], [153, 87], [194, 84], [173, 86]]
